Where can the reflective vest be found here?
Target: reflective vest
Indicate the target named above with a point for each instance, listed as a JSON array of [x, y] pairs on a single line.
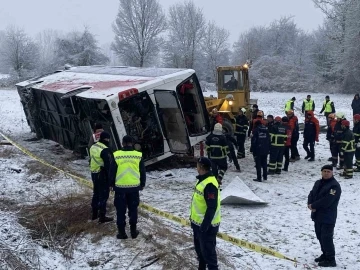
[[328, 108], [198, 203], [128, 168], [96, 162], [308, 105], [288, 105]]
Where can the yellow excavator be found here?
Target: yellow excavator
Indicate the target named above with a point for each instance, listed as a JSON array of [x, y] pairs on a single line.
[[233, 89]]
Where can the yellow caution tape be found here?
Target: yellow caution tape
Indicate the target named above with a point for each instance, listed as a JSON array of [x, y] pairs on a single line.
[[233, 240]]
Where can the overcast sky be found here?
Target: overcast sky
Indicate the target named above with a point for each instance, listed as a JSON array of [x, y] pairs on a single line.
[[235, 15]]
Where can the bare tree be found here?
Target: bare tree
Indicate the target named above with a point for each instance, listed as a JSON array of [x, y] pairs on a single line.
[[137, 28], [19, 52], [215, 47], [186, 30], [46, 41]]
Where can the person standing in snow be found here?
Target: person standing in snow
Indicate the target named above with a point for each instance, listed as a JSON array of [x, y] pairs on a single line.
[[285, 122], [338, 136], [242, 125], [355, 105], [328, 107], [205, 215], [101, 167], [231, 146], [215, 118], [294, 126], [323, 201], [130, 179], [356, 132], [348, 148], [278, 140], [308, 105], [330, 136], [94, 138], [289, 105], [311, 135]]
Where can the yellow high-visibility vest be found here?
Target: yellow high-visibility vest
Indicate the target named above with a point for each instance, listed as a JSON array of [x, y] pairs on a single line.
[[308, 105], [128, 168], [96, 162], [328, 108]]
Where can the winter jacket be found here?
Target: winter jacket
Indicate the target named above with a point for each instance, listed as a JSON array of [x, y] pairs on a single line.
[[216, 146], [312, 128], [355, 105], [325, 106], [330, 130], [324, 198], [348, 142], [260, 141], [278, 135], [338, 132], [306, 104], [288, 134], [294, 125], [242, 125], [214, 120], [356, 131], [231, 142], [252, 124]]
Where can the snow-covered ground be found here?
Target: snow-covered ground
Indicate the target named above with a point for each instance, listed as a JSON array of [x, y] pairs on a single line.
[[284, 224], [4, 76]]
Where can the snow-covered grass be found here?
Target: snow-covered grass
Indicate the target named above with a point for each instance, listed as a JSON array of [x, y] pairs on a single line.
[[284, 224]]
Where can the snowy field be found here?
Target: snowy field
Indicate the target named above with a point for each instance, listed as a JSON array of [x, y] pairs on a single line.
[[284, 224]]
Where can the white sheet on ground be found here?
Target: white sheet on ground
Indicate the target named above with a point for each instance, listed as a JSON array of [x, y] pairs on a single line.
[[237, 192]]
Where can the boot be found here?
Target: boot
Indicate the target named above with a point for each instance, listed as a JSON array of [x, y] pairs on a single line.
[[307, 156], [103, 219], [320, 258], [257, 180], [330, 159], [357, 169], [95, 215], [327, 263], [285, 169], [122, 234], [311, 159], [133, 231], [297, 158], [278, 171]]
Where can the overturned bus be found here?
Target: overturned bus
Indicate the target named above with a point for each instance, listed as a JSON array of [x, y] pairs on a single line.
[[162, 109]]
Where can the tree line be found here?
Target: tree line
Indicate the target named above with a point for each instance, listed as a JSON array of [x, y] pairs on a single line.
[[284, 57]]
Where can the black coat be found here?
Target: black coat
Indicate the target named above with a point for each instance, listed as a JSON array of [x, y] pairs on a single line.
[[324, 197], [355, 105], [260, 141]]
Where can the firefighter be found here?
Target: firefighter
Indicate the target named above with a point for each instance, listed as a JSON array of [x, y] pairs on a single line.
[[308, 105], [215, 118], [311, 134], [356, 132], [338, 136], [102, 171], [289, 105], [285, 122], [330, 135], [205, 215], [294, 126], [348, 148], [328, 107], [217, 150], [242, 125], [130, 179], [94, 138], [231, 142], [260, 146], [278, 139], [259, 116]]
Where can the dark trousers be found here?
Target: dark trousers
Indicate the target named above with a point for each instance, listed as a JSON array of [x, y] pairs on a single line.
[[276, 158], [123, 201], [357, 157], [219, 167], [348, 163], [232, 156], [287, 157], [325, 233], [309, 152], [241, 145], [205, 243], [100, 193], [327, 118], [261, 163], [294, 150], [338, 153]]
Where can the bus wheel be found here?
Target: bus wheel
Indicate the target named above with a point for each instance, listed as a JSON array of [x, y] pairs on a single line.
[[228, 127]]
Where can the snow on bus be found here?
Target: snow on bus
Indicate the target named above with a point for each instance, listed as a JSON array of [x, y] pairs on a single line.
[[163, 109]]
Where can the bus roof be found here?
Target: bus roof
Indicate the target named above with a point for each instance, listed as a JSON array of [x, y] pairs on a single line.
[[102, 81]]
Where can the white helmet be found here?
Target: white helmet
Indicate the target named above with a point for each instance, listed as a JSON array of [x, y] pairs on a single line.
[[340, 115], [243, 110]]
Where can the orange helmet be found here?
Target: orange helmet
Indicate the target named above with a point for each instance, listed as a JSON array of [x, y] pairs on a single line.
[[357, 117], [260, 113], [345, 123], [332, 116]]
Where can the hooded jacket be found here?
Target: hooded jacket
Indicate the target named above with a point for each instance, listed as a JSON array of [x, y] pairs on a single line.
[[355, 105], [312, 128]]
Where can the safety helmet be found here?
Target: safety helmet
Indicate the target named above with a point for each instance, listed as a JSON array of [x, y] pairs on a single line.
[[331, 116], [214, 110], [357, 117], [277, 119], [290, 112], [340, 115], [260, 113], [243, 110], [345, 123]]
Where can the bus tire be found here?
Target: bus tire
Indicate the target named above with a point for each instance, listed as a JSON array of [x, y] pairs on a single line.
[[228, 127]]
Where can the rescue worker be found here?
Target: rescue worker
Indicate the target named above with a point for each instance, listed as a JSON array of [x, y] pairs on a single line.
[[285, 122], [338, 136], [278, 140], [215, 118], [323, 201], [355, 104], [260, 146], [294, 125], [348, 148], [102, 168], [242, 125], [130, 179], [356, 132], [254, 111], [311, 134], [98, 128], [259, 116], [269, 122], [330, 135], [289, 105], [308, 105], [231, 142], [328, 107], [217, 150], [205, 215]]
